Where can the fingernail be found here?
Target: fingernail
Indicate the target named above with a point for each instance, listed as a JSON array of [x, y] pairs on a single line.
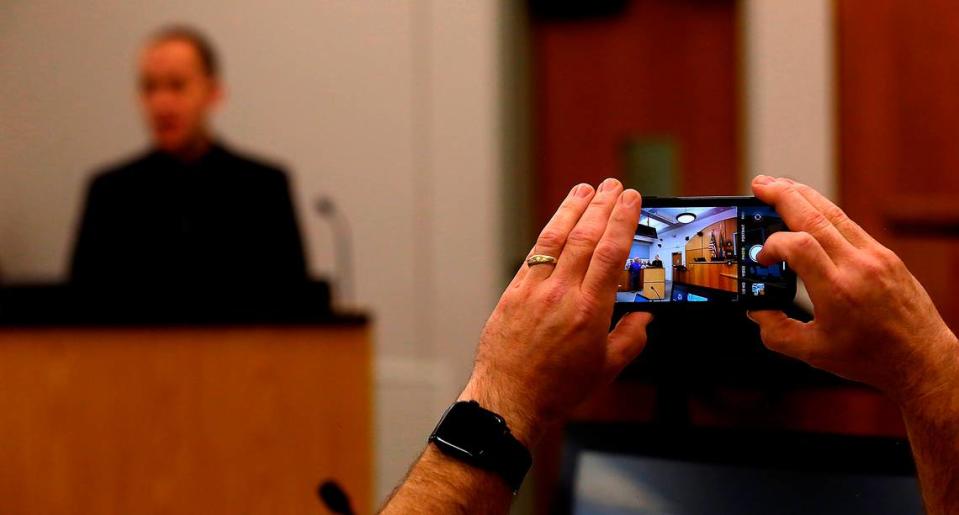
[[607, 184], [629, 198], [749, 315], [763, 179], [582, 190]]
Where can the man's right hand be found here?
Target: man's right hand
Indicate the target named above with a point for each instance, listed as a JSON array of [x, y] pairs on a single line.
[[873, 321]]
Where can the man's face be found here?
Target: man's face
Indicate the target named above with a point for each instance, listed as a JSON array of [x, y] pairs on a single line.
[[176, 94]]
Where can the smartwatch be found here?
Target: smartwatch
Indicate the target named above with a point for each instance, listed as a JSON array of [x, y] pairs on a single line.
[[480, 438]]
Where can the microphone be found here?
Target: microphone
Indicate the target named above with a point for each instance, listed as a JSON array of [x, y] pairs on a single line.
[[334, 497], [343, 255]]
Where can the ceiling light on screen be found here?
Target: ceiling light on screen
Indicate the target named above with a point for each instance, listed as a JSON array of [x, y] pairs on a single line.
[[685, 218]]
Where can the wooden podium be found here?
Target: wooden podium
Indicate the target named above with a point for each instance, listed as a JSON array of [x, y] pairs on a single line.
[[209, 419]]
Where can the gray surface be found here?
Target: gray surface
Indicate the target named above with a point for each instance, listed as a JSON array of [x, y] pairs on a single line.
[[608, 484]]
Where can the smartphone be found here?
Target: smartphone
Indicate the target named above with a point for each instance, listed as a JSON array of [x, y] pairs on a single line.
[[702, 251]]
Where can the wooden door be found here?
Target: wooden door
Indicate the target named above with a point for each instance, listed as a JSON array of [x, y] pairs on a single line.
[[661, 69], [899, 133]]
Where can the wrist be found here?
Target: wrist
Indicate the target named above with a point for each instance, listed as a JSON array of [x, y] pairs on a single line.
[[934, 375], [522, 421]]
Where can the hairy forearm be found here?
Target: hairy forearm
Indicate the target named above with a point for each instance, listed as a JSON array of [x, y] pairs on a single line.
[[440, 484], [932, 421]]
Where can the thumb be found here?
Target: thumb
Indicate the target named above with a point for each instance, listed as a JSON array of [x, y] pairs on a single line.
[[626, 341], [783, 334]]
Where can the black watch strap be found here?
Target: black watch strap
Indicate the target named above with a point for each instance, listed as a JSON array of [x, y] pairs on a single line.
[[482, 439]]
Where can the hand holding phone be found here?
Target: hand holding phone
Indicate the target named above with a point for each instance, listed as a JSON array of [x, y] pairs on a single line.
[[700, 251]]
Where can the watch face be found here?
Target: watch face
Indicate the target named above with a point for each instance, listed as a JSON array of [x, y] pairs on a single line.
[[481, 438], [468, 428]]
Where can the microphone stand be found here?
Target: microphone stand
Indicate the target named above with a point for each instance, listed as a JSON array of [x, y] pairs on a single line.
[[343, 252]]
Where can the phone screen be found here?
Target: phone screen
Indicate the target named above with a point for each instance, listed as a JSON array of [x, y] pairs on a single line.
[[701, 253]]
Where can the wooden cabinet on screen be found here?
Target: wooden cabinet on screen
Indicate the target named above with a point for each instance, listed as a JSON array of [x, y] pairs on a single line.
[[718, 276], [654, 283], [702, 269]]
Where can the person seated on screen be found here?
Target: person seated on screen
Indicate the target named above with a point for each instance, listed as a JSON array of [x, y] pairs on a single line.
[[189, 210], [547, 345]]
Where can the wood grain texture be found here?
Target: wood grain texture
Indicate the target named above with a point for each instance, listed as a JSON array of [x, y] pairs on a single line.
[[183, 420]]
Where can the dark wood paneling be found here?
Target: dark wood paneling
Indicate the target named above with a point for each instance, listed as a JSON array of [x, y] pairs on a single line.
[[662, 68], [898, 124]]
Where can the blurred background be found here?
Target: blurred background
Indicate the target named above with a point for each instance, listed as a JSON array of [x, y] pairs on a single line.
[[426, 142]]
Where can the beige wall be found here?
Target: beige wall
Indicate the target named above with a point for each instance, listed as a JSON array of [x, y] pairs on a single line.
[[789, 90], [789, 94], [391, 108]]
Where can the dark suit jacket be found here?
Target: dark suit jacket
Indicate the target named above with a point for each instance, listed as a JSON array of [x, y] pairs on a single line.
[[224, 219]]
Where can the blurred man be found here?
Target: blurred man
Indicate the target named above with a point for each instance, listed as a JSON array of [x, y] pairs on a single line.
[[189, 211], [546, 347]]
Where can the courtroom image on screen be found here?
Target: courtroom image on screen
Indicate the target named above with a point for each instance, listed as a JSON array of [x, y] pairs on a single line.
[[683, 254]]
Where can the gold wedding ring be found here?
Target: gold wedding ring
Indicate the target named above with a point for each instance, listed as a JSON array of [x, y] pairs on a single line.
[[540, 259]]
